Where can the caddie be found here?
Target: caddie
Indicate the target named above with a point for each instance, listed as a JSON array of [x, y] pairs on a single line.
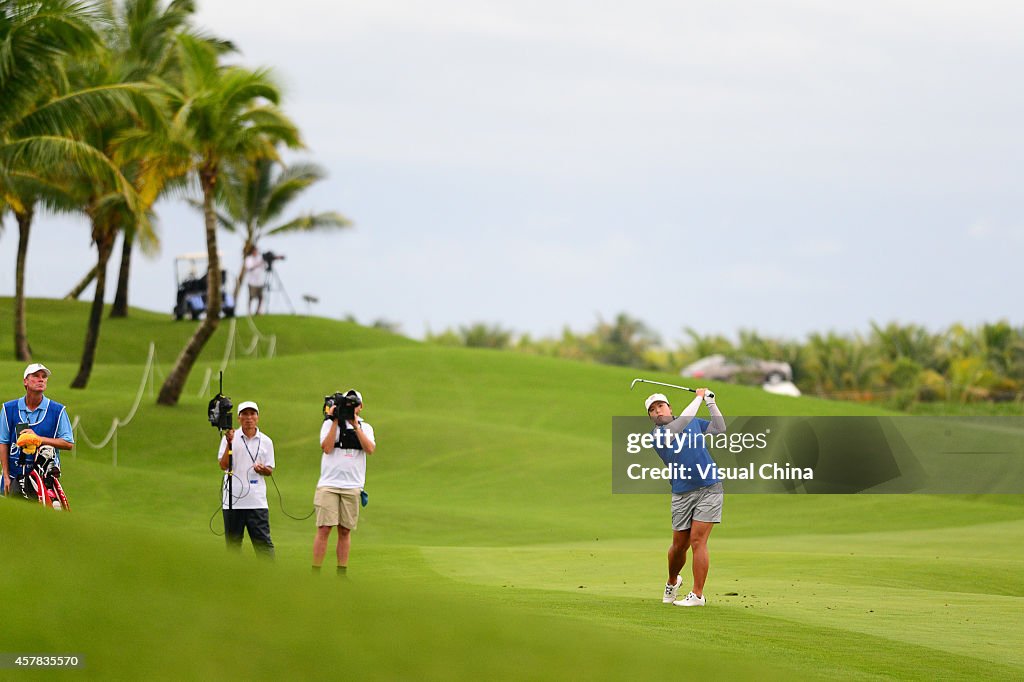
[[29, 422]]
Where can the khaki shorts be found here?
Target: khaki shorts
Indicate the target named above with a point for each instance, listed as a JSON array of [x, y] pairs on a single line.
[[337, 507], [702, 504]]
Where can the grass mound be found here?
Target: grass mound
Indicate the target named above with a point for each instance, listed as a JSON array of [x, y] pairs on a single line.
[[492, 544]]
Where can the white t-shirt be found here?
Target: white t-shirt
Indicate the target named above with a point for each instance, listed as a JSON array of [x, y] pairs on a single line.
[[344, 467], [256, 270], [248, 489]]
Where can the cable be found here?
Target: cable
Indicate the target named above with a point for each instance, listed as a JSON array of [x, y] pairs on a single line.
[[280, 497], [220, 535], [236, 498], [220, 504], [280, 500]]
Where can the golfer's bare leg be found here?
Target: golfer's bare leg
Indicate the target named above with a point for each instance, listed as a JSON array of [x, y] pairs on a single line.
[[699, 532], [344, 545], [677, 554], [320, 544]]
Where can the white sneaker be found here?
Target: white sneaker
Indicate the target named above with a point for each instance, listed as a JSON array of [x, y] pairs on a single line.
[[672, 591], [690, 600]]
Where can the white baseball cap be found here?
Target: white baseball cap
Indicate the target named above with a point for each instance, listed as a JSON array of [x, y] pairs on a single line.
[[35, 367], [653, 398], [248, 405], [353, 392]]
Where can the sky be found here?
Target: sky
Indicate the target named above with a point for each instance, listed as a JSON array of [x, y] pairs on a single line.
[[785, 167]]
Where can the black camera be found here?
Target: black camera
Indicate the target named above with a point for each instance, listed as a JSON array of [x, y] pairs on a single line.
[[344, 405], [219, 412], [269, 257]]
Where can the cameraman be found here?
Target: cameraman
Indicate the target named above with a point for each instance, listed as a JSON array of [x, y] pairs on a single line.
[[345, 443], [256, 277], [252, 454]]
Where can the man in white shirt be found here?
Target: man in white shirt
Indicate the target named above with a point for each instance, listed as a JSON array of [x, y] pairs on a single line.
[[345, 441], [256, 277], [252, 459]]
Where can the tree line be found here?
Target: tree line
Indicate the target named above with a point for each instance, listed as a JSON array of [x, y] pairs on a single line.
[[107, 107], [895, 364]]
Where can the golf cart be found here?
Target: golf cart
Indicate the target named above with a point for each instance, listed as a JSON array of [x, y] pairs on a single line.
[[191, 286], [739, 369]]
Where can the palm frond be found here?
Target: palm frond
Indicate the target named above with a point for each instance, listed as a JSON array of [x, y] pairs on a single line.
[[45, 153], [77, 111], [313, 222], [293, 181], [36, 34]]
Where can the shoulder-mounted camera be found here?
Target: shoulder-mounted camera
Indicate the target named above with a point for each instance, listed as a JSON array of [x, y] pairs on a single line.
[[344, 405]]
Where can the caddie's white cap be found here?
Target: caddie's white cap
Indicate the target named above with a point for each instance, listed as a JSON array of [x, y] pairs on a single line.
[[35, 367], [248, 405], [653, 398]]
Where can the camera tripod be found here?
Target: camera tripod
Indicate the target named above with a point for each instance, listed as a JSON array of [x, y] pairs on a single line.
[[274, 280]]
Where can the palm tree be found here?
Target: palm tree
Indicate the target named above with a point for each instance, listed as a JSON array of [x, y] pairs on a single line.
[[138, 44], [623, 342], [839, 364], [253, 197], [82, 285], [120, 305], [146, 37], [28, 192], [22, 351], [701, 346], [34, 38], [40, 117], [221, 115], [106, 215]]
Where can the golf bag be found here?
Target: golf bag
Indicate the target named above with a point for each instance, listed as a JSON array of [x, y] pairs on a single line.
[[41, 481]]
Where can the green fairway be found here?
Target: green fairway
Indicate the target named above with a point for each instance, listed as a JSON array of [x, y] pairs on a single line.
[[492, 545]]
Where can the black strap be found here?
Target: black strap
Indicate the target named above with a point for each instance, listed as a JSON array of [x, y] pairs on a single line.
[[347, 439]]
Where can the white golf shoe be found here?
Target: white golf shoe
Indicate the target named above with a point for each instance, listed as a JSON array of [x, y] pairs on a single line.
[[690, 600], [672, 591]]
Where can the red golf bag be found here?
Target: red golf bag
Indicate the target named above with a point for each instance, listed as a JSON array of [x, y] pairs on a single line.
[[41, 481]]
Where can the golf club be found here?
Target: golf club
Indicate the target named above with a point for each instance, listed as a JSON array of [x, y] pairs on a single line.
[[710, 394]]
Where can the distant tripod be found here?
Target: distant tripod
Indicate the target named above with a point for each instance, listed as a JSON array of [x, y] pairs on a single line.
[[274, 280]]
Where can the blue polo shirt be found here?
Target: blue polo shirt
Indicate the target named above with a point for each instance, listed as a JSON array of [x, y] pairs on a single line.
[[33, 417], [24, 415], [692, 453]]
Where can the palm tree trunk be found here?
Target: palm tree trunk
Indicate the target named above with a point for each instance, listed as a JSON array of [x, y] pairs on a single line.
[[77, 290], [104, 238], [172, 387], [241, 276], [120, 307], [22, 351]]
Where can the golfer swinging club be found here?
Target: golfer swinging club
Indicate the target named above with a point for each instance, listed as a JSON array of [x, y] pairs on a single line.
[[696, 500]]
